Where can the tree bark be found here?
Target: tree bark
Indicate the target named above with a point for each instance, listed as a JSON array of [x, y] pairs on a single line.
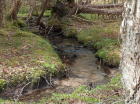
[[44, 6], [32, 7], [16, 6], [2, 12], [130, 63]]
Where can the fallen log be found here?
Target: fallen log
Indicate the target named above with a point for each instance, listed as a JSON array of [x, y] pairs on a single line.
[[106, 6], [83, 9]]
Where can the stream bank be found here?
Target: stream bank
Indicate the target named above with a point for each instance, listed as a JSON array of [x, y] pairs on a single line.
[[84, 67]]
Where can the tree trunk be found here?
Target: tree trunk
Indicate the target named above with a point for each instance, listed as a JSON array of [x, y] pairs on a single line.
[[2, 10], [44, 6], [15, 9], [130, 63], [32, 7]]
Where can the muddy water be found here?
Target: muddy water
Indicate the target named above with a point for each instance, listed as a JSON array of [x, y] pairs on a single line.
[[84, 70]]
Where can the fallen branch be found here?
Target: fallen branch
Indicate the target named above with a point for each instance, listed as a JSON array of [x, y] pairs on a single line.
[[20, 91]]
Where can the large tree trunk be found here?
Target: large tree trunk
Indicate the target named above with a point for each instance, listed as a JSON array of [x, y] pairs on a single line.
[[15, 9], [2, 12], [130, 63]]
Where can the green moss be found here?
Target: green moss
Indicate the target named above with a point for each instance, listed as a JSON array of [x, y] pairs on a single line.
[[108, 51], [47, 13], [106, 42], [26, 57], [110, 56]]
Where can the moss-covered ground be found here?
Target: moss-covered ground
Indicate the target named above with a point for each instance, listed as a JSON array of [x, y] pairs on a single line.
[[25, 57]]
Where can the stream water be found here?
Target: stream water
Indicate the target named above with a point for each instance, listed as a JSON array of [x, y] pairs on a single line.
[[84, 70]]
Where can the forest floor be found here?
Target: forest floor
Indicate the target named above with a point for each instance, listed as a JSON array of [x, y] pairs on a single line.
[[102, 36], [25, 59], [29, 58]]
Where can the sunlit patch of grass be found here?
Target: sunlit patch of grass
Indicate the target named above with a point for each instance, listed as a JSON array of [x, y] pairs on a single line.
[[90, 36], [109, 56], [106, 42]]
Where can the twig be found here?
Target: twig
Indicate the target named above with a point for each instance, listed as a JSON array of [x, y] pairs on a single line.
[[76, 10], [46, 81], [50, 30], [20, 93]]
